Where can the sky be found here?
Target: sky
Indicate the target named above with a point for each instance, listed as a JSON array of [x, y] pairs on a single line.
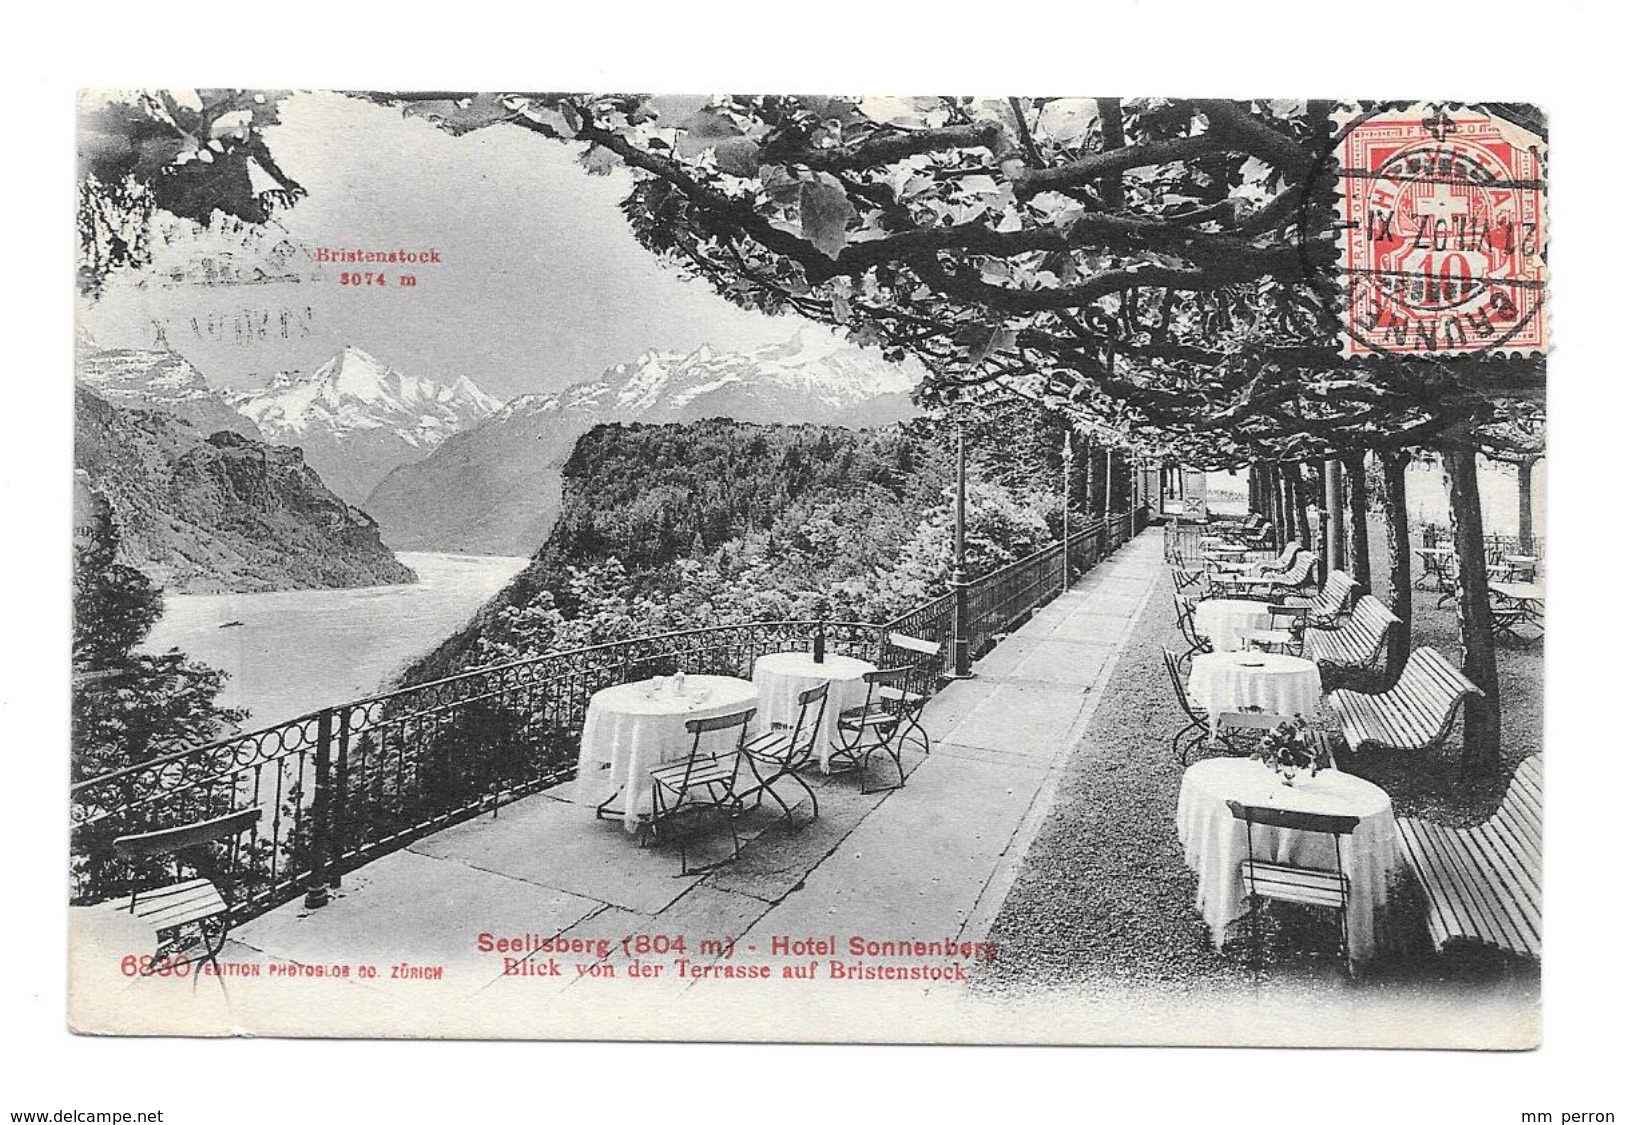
[[540, 283]]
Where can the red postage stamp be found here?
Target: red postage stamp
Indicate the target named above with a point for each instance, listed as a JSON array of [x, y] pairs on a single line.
[[1443, 240]]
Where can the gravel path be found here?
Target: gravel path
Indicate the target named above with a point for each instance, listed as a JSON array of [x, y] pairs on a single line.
[[1104, 901]]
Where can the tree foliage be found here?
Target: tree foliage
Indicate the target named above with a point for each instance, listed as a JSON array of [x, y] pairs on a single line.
[[129, 706], [1157, 265], [188, 153], [718, 522]]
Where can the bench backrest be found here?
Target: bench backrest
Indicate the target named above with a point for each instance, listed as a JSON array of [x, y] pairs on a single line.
[[1363, 638], [1433, 683], [1519, 814], [166, 841], [1370, 616], [1300, 570], [1333, 599], [913, 644]]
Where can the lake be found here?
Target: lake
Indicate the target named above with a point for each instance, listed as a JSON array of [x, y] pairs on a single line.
[[298, 650], [1426, 493]]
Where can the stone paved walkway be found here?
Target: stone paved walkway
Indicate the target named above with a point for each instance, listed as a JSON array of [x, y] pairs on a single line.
[[931, 861]]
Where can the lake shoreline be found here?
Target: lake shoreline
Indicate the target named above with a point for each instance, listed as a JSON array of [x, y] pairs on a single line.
[[290, 652]]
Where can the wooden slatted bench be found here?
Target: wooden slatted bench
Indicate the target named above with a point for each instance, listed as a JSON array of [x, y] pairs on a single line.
[[1415, 714], [1360, 642], [1482, 884], [1280, 563], [1332, 602], [1270, 584]]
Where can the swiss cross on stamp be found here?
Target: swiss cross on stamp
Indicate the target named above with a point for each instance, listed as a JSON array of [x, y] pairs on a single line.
[[1442, 239]]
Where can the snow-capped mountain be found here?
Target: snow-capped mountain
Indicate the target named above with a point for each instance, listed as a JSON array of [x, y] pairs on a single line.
[[358, 418], [795, 381], [495, 489], [159, 379]]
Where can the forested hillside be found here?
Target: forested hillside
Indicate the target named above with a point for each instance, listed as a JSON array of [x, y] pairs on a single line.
[[691, 524]]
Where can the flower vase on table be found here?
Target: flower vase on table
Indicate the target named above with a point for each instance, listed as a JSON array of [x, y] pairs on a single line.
[[819, 640], [1290, 749]]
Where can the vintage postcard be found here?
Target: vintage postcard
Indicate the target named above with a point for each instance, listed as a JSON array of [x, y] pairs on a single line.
[[810, 568]]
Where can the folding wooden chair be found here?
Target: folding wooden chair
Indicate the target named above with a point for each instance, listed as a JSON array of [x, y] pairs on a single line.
[[876, 726], [703, 780], [1200, 722], [785, 751], [190, 916], [1448, 573], [1196, 644], [1286, 882], [926, 672], [1189, 582]]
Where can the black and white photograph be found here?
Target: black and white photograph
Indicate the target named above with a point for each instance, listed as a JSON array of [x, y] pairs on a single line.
[[831, 568]]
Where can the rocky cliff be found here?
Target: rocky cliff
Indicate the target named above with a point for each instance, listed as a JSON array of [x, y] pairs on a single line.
[[222, 512]]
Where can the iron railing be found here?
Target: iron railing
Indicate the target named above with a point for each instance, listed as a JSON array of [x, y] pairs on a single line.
[[1496, 544], [1182, 540], [348, 783]]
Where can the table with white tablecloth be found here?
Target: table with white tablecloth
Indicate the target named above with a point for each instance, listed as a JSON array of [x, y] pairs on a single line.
[[780, 678], [631, 728], [1227, 622], [1268, 682], [1215, 842]]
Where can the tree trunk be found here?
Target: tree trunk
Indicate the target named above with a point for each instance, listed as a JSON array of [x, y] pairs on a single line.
[[1394, 464], [1332, 505], [1283, 522], [1359, 529], [1301, 484], [1526, 507], [1482, 728]]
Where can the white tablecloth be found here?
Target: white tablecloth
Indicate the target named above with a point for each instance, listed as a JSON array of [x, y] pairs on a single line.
[[1227, 621], [781, 676], [1215, 842], [1264, 681], [627, 734]]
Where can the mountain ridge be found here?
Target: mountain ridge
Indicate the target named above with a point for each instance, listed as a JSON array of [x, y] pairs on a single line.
[[159, 379], [358, 418], [496, 488]]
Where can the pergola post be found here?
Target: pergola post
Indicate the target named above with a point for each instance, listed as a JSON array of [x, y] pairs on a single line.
[[956, 577], [1526, 506], [1066, 512], [1090, 477]]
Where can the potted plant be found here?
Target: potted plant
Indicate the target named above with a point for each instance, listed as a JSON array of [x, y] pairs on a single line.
[[1290, 748]]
